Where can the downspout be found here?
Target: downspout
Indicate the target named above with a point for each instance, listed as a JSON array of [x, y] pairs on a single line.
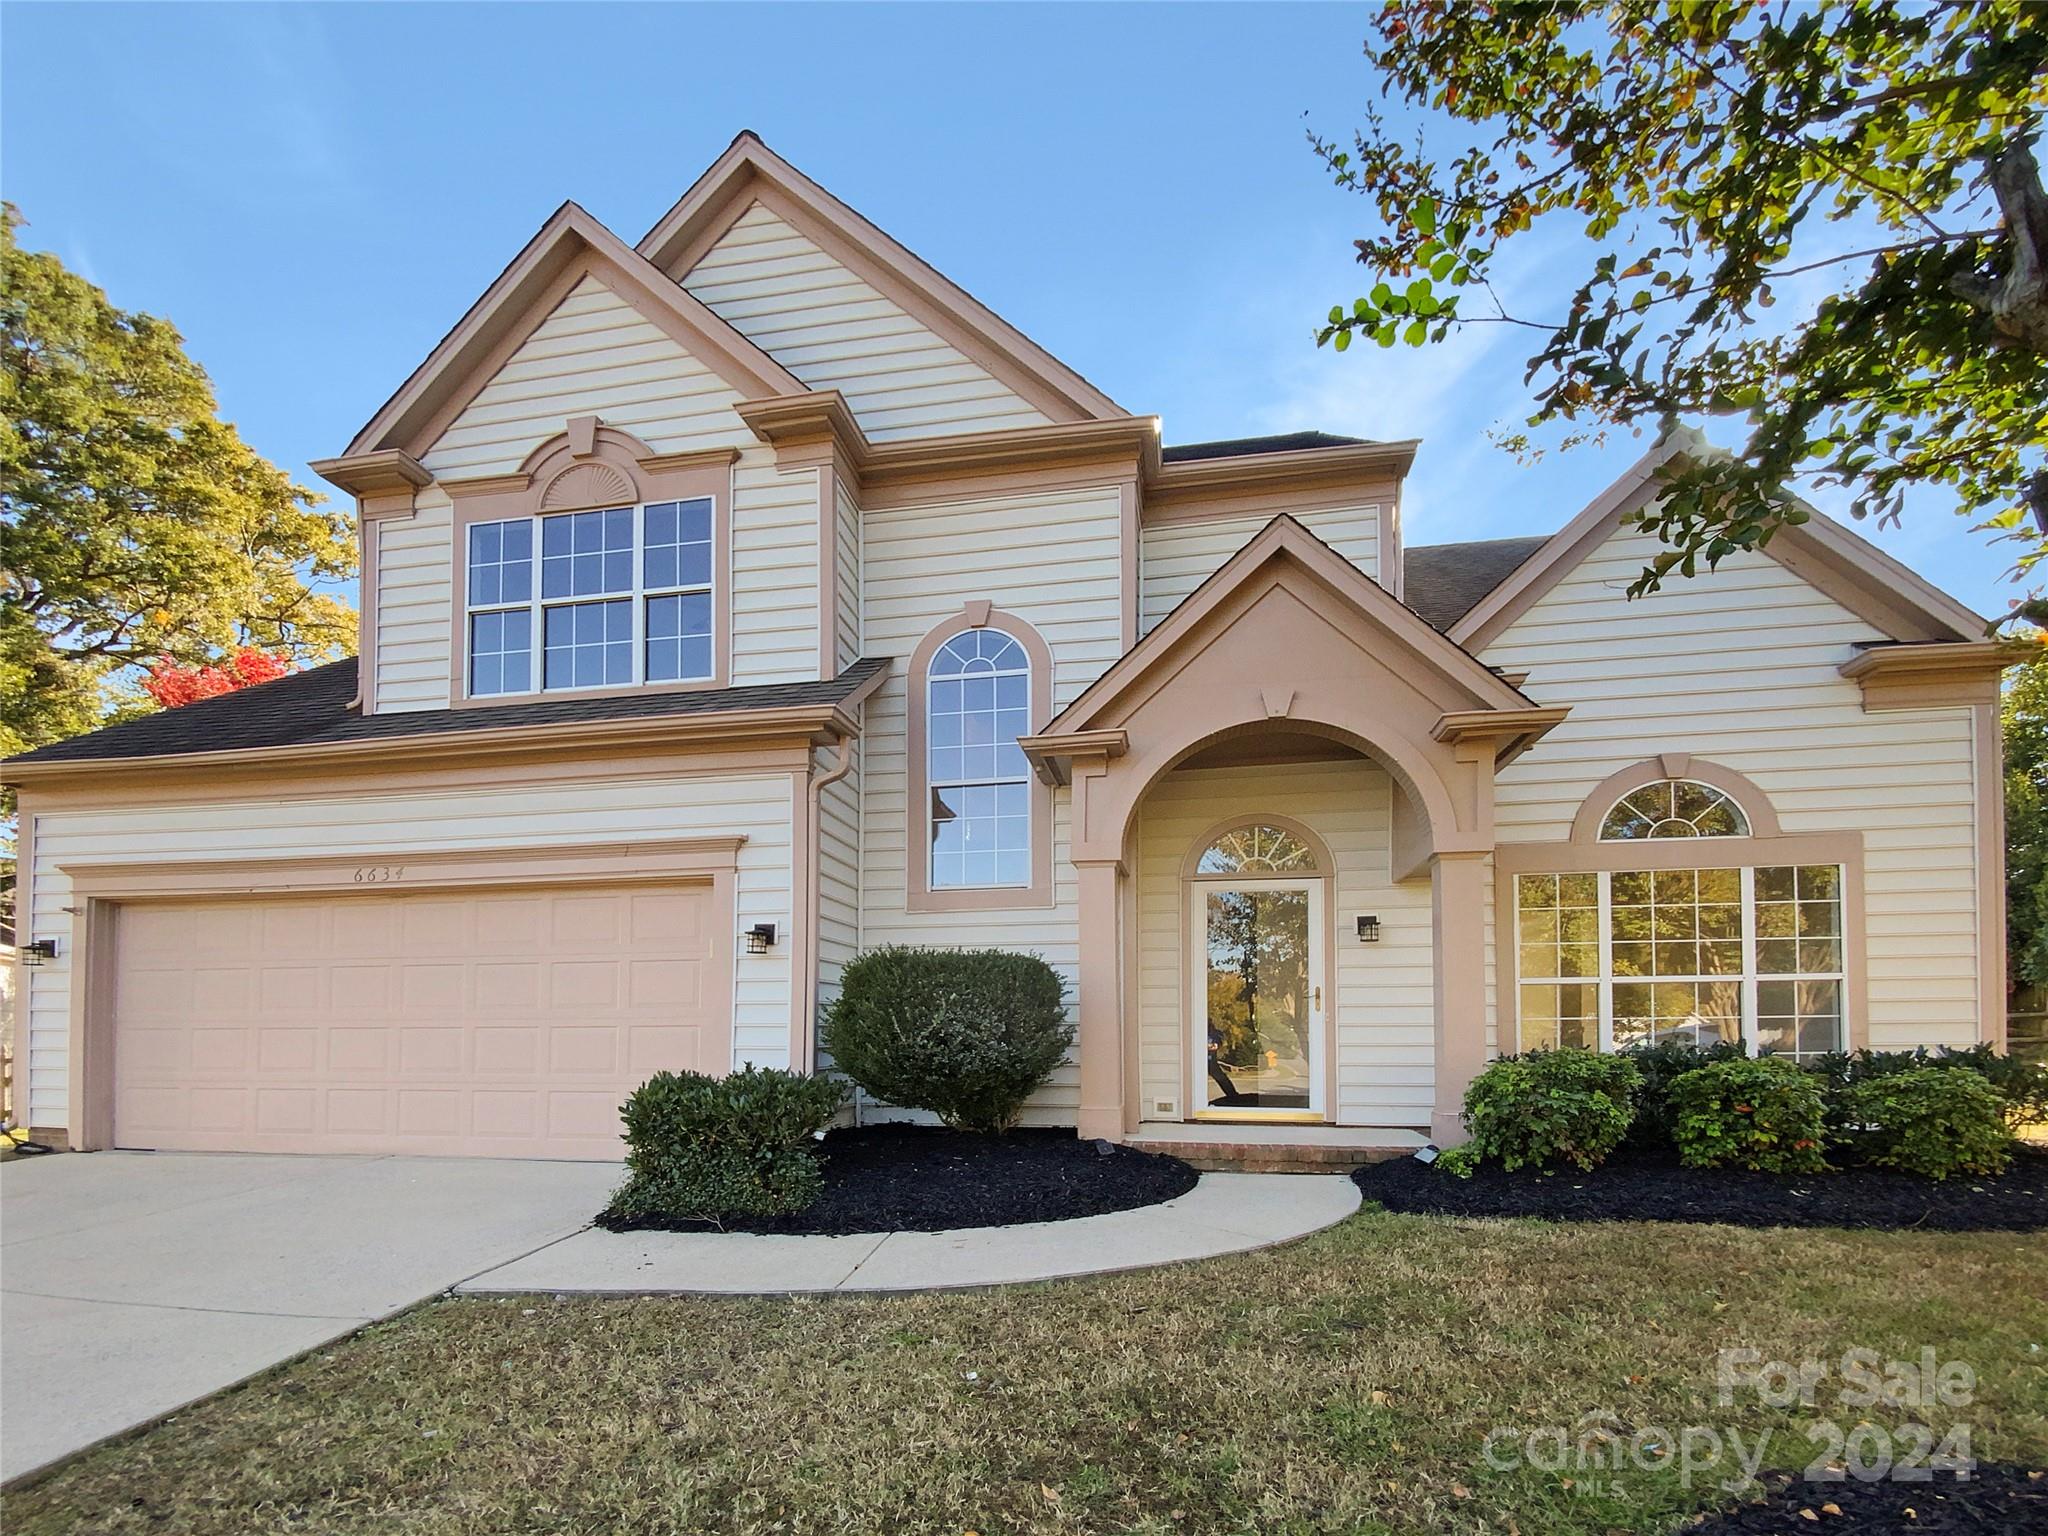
[[814, 832]]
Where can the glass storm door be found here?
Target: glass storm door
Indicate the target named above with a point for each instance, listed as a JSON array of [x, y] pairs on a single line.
[[1257, 1003]]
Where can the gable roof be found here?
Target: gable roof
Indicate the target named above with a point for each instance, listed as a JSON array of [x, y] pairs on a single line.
[[569, 247], [313, 709], [1854, 572], [1285, 539], [750, 172]]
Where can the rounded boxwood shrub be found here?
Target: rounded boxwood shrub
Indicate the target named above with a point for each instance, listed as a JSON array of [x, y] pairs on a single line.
[[705, 1148], [1931, 1121], [1564, 1106], [968, 1034], [1767, 1115]]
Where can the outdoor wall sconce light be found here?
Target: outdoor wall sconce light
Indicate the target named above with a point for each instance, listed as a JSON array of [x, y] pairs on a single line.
[[1368, 928], [760, 938], [36, 951]]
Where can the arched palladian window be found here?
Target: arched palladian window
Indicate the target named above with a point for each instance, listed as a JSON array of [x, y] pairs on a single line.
[[977, 703], [1257, 849], [1673, 808]]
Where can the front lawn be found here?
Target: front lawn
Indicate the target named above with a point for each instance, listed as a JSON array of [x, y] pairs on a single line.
[[1346, 1383]]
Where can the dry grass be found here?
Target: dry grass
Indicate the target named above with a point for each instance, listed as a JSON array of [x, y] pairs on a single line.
[[1343, 1384]]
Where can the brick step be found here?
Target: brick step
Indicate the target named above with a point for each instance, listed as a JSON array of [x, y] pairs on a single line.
[[1269, 1157]]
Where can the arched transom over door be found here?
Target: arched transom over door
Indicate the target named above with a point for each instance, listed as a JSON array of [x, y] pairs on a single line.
[[1258, 951]]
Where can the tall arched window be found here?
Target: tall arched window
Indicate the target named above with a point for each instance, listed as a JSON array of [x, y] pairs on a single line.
[[977, 703]]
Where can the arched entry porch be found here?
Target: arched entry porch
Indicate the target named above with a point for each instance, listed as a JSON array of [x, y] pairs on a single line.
[[1287, 645]]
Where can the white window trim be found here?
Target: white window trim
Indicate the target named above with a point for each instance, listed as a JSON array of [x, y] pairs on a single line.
[[933, 783], [1750, 1021], [536, 606]]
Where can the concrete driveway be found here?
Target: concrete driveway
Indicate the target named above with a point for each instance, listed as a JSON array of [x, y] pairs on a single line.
[[132, 1283]]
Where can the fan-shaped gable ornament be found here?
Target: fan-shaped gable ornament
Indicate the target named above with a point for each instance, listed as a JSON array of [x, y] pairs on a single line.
[[588, 485]]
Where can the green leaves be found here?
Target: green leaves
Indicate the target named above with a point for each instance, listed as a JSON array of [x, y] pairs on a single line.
[[134, 523], [1711, 156], [1390, 318]]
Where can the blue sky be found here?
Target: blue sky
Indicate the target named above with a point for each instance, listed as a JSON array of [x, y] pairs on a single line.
[[315, 193]]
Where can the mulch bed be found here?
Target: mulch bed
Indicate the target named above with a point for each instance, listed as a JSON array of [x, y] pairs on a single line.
[[1651, 1189], [910, 1178], [2005, 1499]]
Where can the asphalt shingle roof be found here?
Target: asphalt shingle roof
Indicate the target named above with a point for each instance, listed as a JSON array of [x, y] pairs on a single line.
[[1444, 582], [312, 708], [1235, 447]]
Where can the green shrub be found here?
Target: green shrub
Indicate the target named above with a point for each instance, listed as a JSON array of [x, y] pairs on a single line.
[[1563, 1106], [1768, 1115], [968, 1034], [1931, 1122], [706, 1148], [1655, 1128], [1458, 1162], [2021, 1085]]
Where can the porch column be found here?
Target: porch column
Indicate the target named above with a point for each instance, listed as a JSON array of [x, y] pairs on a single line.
[[1458, 908], [1101, 1032]]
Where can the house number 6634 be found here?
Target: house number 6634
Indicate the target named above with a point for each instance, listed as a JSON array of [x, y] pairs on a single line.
[[378, 874]]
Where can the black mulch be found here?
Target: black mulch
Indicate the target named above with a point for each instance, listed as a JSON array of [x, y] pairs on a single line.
[[1647, 1189], [906, 1178], [2005, 1499]]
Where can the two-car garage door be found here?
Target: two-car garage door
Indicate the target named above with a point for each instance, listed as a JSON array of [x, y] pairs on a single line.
[[505, 1022]]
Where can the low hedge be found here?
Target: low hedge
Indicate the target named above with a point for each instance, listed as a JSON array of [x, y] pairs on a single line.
[[1933, 1113], [707, 1148], [1549, 1107], [2021, 1085], [1655, 1128], [1931, 1122], [1765, 1114], [968, 1034]]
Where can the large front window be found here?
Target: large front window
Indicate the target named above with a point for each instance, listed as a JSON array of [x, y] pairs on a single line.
[[977, 703], [1638, 957], [602, 599]]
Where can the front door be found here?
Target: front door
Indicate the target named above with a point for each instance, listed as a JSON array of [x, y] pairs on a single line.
[[1257, 1000]]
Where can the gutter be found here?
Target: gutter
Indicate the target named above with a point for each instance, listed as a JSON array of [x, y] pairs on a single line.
[[814, 832], [821, 724]]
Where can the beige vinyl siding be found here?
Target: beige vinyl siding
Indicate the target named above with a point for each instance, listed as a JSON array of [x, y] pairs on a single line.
[[596, 355], [834, 331], [1051, 559], [774, 574], [1177, 557], [1383, 1034], [1738, 666], [846, 566], [386, 826], [838, 873], [415, 586]]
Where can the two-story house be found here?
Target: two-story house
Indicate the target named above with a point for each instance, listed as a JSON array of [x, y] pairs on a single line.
[[752, 595]]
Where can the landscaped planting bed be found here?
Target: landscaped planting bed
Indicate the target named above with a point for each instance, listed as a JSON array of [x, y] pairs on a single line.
[[1660, 1189], [1993, 1501], [904, 1178], [1891, 1141]]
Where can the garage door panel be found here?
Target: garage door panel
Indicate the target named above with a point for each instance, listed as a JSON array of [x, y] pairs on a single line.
[[506, 1022]]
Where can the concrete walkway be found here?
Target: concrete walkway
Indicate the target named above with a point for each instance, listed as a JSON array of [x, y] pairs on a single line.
[[1224, 1213], [132, 1283]]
